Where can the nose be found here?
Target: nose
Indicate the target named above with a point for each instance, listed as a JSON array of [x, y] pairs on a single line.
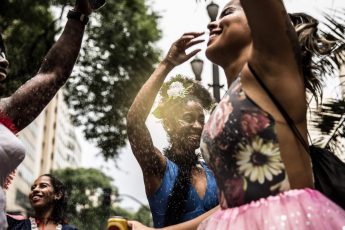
[[197, 125], [212, 25]]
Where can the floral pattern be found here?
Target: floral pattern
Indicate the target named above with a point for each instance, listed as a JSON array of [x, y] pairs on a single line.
[[216, 123], [253, 123], [259, 161], [240, 144]]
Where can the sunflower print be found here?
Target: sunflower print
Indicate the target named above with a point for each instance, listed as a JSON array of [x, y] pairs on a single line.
[[259, 161]]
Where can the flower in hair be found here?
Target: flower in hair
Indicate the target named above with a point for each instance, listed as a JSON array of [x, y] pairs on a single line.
[[176, 89]]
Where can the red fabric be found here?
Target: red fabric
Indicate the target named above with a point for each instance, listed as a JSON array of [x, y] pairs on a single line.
[[7, 121]]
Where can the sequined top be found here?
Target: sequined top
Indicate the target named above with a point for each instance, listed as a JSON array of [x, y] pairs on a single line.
[[195, 206], [239, 143]]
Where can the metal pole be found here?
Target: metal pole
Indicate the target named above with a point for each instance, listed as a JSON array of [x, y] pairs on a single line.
[[216, 86], [212, 10]]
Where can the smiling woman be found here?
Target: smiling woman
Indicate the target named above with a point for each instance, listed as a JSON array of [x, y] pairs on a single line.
[[48, 198], [178, 186]]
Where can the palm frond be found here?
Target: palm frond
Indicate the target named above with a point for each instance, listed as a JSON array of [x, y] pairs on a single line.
[[332, 32]]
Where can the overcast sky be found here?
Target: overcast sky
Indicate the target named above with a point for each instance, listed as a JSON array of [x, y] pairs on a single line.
[[178, 16]]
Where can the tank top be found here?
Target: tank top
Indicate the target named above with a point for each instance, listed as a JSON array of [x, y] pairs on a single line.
[[195, 206], [239, 143]]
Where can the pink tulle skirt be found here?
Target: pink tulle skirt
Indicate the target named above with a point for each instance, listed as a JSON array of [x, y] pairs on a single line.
[[294, 209]]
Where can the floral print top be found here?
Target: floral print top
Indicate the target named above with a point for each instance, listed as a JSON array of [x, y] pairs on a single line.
[[239, 143]]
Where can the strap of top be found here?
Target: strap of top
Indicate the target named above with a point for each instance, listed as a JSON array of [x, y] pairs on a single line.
[[281, 109]]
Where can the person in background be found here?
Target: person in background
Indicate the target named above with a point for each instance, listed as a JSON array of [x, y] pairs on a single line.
[[48, 198], [23, 106], [178, 185]]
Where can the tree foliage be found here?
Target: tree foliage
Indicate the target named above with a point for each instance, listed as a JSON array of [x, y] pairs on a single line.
[[118, 55], [28, 28], [328, 119], [85, 191], [86, 208]]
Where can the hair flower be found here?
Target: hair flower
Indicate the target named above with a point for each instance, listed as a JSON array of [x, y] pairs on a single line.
[[176, 89]]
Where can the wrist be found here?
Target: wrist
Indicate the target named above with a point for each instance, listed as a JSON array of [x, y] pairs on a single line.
[[76, 15], [168, 64]]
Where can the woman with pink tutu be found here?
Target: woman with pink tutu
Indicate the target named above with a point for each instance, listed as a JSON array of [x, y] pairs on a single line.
[[263, 172]]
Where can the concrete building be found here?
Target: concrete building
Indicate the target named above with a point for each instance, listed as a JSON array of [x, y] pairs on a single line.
[[51, 144]]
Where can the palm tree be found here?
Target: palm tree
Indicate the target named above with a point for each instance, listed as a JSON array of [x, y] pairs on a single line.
[[329, 118]]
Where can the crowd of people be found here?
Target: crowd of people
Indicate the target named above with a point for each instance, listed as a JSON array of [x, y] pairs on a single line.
[[243, 168]]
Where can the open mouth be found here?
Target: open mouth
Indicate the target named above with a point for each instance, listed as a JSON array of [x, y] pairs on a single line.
[[36, 197], [3, 73], [194, 137], [213, 35]]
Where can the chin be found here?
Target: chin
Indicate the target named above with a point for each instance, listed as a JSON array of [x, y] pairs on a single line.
[[2, 77], [212, 54]]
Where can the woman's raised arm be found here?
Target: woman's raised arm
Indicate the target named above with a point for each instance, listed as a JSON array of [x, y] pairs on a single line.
[[150, 159]]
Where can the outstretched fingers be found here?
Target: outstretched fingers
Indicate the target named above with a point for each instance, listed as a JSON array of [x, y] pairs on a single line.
[[191, 54]]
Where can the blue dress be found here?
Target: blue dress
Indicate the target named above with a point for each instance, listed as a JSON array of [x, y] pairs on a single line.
[[194, 206]]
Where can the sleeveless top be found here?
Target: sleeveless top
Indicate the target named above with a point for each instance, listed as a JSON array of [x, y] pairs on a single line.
[[12, 153], [195, 206], [240, 145]]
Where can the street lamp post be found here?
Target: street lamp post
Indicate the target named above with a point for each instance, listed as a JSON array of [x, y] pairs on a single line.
[[212, 10], [197, 66]]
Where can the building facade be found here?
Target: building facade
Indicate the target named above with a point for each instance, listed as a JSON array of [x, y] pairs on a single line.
[[51, 144]]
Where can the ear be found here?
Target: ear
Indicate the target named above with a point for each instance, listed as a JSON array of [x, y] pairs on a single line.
[[58, 196]]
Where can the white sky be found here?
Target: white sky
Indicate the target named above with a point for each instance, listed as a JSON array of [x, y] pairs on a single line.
[[178, 16]]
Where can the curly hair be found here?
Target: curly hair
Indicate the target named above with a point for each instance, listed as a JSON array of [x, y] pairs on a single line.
[[60, 205], [315, 49], [193, 90]]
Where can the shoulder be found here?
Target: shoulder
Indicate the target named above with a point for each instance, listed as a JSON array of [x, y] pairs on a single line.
[[14, 223]]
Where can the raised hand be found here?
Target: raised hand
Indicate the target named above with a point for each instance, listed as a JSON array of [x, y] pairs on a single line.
[[177, 52], [83, 6]]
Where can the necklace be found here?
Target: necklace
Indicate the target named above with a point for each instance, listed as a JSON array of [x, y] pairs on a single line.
[[35, 227]]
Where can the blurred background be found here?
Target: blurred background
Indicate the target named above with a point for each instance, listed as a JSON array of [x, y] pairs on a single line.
[[81, 135]]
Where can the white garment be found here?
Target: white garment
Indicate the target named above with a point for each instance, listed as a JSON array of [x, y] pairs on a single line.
[[12, 153]]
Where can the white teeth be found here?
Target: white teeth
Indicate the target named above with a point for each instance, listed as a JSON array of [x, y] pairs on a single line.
[[213, 35], [36, 197]]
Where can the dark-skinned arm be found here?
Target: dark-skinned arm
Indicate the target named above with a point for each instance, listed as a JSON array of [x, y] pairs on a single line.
[[272, 31], [188, 225], [150, 159], [31, 98]]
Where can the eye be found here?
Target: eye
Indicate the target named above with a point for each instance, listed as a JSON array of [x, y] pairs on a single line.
[[227, 11], [188, 118], [33, 187]]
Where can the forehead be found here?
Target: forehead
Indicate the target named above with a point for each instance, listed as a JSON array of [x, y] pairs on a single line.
[[43, 179], [192, 106], [233, 3]]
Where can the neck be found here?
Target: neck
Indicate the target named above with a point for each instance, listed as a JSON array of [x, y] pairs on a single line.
[[182, 157], [233, 67], [43, 216]]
